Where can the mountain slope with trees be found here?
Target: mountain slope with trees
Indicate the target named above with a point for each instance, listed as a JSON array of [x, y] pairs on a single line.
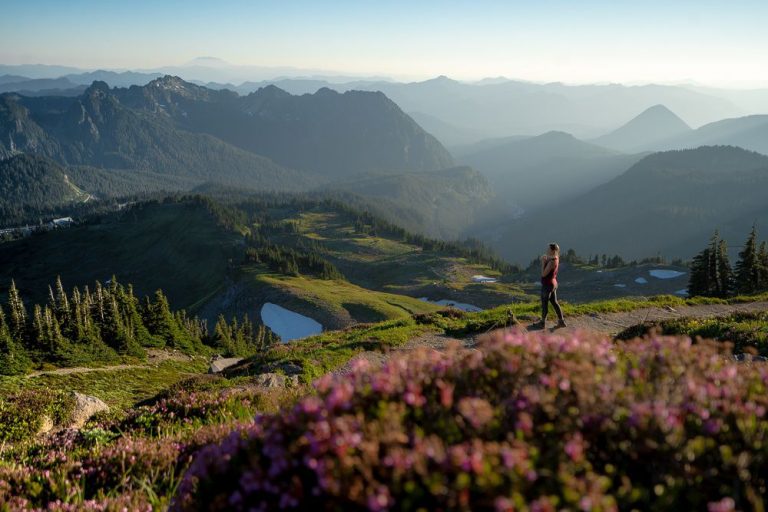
[[330, 134], [96, 129], [666, 203], [34, 185]]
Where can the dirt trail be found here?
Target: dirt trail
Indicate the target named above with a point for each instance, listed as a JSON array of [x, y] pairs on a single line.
[[608, 324], [154, 357], [613, 323]]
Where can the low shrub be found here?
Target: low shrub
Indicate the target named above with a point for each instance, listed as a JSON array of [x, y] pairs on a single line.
[[527, 422], [22, 414], [745, 330]]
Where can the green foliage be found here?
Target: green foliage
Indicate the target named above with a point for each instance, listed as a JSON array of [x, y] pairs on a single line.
[[751, 272], [711, 273], [92, 327], [747, 331], [22, 413], [241, 339], [33, 186]]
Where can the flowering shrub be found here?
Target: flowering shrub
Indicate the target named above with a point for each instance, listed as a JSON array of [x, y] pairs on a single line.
[[189, 407], [69, 473], [527, 422]]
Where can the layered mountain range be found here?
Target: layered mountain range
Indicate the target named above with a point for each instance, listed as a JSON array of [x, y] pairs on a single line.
[[184, 135]]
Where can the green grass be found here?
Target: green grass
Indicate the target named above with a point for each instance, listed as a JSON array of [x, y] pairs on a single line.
[[321, 354], [382, 264], [333, 303], [120, 389], [742, 329]]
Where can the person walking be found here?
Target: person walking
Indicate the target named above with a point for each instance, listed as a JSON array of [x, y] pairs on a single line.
[[550, 264]]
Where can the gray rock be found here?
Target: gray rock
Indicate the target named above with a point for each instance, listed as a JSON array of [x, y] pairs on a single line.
[[275, 380], [85, 407], [221, 364]]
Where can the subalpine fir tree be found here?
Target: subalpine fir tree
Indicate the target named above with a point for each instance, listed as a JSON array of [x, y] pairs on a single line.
[[748, 271], [698, 283], [762, 256], [17, 314], [711, 274], [724, 271], [13, 358]]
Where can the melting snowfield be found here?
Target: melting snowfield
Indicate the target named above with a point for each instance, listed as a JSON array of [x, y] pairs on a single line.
[[288, 324], [665, 274], [641, 280], [683, 293], [469, 308], [620, 285]]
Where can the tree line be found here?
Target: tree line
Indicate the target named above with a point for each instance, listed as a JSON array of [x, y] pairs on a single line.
[[106, 323], [713, 276]]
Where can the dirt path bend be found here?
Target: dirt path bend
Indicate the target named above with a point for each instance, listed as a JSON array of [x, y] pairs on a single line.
[[154, 357]]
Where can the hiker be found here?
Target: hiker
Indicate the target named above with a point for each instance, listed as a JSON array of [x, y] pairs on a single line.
[[550, 263]]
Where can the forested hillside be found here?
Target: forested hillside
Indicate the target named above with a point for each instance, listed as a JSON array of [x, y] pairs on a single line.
[[33, 185], [667, 203]]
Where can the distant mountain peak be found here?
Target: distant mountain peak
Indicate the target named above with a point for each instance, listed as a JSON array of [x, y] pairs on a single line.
[[169, 82], [209, 62], [661, 112], [654, 124]]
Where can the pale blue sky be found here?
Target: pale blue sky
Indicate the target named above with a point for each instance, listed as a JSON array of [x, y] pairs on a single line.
[[713, 42]]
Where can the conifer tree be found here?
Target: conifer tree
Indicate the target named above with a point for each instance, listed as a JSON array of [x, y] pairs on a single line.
[[17, 314], [13, 358], [724, 271], [762, 256], [748, 272], [711, 274]]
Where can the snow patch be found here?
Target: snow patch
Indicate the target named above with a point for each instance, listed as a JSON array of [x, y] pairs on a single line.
[[484, 279], [683, 293], [469, 308], [288, 324], [641, 280], [665, 274], [619, 285]]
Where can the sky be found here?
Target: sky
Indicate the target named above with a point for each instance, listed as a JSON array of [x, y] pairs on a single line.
[[722, 43]]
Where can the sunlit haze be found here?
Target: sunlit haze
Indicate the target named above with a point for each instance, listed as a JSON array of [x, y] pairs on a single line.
[[706, 42]]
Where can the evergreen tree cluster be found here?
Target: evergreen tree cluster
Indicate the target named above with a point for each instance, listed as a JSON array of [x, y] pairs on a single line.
[[713, 276], [289, 260], [105, 323], [242, 339]]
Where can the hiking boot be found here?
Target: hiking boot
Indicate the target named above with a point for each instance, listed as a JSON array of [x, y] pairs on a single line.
[[539, 325], [561, 323]]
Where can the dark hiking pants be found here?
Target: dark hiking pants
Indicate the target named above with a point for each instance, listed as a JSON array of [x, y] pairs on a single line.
[[549, 296]]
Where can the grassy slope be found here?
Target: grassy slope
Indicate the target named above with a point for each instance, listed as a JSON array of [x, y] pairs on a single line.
[[175, 247], [120, 389], [379, 263]]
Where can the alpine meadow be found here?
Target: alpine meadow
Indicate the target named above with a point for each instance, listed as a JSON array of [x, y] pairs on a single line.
[[395, 256]]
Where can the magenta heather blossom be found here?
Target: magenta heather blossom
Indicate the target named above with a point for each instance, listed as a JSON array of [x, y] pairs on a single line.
[[524, 422]]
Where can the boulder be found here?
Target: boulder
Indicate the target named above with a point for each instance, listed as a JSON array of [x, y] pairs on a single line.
[[220, 364], [275, 380], [85, 407]]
